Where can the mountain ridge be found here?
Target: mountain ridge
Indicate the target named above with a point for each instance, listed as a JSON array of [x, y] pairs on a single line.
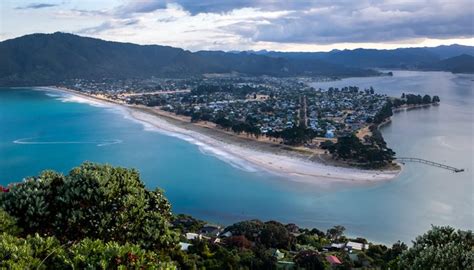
[[422, 58], [40, 59], [43, 59]]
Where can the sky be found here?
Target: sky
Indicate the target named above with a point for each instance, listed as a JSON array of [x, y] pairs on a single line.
[[298, 25]]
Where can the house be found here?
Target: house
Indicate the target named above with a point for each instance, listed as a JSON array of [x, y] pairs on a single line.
[[192, 236], [215, 240], [329, 134], [278, 254], [285, 265], [356, 246], [184, 246], [226, 234], [255, 96], [333, 260], [211, 230], [335, 246]]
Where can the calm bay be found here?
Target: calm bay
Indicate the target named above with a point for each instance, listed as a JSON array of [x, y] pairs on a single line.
[[44, 129]]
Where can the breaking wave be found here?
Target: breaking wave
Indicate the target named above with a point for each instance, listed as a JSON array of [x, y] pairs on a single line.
[[206, 149], [97, 143]]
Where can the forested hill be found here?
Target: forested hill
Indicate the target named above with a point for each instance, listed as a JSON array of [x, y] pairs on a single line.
[[459, 64], [40, 59], [454, 58]]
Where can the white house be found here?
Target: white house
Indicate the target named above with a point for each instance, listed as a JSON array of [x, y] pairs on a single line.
[[184, 246], [192, 236], [356, 246]]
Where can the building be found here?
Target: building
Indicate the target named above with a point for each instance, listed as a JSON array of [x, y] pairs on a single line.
[[329, 134], [356, 246], [192, 236], [278, 254], [333, 260], [184, 246], [211, 230]]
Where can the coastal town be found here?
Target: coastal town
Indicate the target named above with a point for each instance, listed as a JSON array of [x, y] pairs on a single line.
[[263, 106], [339, 122], [271, 104]]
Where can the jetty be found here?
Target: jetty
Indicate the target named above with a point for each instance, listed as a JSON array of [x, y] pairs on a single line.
[[432, 163]]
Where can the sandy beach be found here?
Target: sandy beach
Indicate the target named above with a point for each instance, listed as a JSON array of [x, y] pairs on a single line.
[[262, 156]]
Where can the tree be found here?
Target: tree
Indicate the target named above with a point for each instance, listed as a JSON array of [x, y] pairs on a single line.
[[336, 232], [435, 99], [93, 201], [327, 145], [223, 122], [8, 224], [239, 241], [251, 229], [275, 235], [371, 90], [426, 99], [375, 154], [308, 239], [309, 260], [398, 102], [346, 146], [440, 248], [186, 223], [296, 135], [384, 113]]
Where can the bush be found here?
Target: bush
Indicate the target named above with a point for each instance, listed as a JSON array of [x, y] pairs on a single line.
[[440, 248], [93, 201], [95, 254], [15, 253], [8, 223], [37, 252]]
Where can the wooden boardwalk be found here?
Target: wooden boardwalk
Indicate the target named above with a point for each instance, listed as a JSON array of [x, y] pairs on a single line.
[[432, 163]]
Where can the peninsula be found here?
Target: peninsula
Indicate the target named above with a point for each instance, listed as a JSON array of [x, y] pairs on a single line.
[[280, 125]]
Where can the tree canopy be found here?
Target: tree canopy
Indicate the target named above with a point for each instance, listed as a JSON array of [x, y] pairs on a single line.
[[92, 201], [440, 248]]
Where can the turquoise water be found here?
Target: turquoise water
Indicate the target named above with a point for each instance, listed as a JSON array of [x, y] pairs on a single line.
[[40, 129]]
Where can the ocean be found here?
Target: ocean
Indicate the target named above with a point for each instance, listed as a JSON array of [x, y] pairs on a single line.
[[49, 130]]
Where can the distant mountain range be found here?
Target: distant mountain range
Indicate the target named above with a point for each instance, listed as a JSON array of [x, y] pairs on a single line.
[[42, 59], [454, 58]]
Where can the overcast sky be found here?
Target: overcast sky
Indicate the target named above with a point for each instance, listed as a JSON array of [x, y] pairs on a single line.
[[298, 25]]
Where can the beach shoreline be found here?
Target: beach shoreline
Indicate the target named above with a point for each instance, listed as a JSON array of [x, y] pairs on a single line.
[[262, 156]]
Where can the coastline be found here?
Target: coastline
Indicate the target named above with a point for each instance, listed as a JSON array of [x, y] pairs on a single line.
[[264, 156], [404, 108]]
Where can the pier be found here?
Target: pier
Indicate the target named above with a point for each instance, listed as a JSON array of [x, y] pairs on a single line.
[[431, 163]]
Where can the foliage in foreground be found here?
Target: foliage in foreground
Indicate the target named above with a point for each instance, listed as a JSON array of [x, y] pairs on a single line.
[[101, 217], [440, 248], [37, 252], [92, 201]]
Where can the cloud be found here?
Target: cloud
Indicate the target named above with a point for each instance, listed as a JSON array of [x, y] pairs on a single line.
[[220, 24], [108, 25], [96, 29], [37, 6], [374, 21], [327, 21], [217, 6]]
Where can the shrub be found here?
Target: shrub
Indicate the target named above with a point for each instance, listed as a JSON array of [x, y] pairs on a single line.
[[93, 201]]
